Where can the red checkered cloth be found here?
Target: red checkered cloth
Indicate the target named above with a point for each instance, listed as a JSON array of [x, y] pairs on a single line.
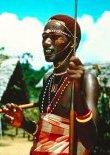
[[53, 136]]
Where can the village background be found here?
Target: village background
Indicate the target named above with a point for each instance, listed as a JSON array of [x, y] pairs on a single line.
[[22, 64]]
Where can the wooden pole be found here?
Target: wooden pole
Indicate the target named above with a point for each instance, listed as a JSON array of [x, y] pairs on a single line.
[[71, 130], [72, 149], [24, 106]]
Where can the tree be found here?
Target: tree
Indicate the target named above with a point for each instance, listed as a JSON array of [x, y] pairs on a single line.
[[32, 76], [103, 108]]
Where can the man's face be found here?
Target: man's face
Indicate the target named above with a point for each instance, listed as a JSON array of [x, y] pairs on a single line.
[[54, 41]]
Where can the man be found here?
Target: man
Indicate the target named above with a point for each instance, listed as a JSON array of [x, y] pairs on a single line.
[[52, 130]]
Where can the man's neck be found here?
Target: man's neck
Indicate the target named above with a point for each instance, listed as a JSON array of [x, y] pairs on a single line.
[[60, 68]]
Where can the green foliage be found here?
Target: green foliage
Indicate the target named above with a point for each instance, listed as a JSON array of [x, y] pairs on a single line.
[[104, 119], [104, 107], [32, 76], [104, 112], [3, 57], [32, 113]]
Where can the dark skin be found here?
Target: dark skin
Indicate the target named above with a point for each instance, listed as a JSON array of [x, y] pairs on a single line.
[[57, 46], [84, 82]]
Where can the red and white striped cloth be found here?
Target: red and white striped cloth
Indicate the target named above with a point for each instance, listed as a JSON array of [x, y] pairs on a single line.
[[53, 136]]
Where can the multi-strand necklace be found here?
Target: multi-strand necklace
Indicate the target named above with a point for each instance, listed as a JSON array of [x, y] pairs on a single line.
[[54, 91], [57, 79]]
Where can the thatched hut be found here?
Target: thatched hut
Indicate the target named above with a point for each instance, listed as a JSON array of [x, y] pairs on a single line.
[[12, 84]]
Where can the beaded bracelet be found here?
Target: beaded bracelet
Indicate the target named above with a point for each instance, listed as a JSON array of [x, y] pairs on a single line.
[[84, 118], [34, 133]]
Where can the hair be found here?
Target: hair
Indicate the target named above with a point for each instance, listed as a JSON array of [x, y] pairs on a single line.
[[70, 24]]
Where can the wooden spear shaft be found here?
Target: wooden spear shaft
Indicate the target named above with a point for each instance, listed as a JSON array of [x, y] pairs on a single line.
[[72, 145], [24, 106], [71, 130]]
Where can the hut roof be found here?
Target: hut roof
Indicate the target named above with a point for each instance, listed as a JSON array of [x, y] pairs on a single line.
[[12, 84]]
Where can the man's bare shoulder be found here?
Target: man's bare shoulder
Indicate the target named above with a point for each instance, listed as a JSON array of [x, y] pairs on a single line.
[[91, 80], [89, 76]]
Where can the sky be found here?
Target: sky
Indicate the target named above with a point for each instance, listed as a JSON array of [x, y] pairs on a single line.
[[22, 23]]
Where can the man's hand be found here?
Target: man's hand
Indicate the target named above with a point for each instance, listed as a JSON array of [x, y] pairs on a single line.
[[13, 115], [76, 72], [75, 69]]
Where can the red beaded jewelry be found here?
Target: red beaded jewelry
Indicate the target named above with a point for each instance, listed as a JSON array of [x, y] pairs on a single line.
[[84, 118]]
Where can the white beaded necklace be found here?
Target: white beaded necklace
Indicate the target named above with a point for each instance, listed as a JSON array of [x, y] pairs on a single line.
[[53, 88], [51, 107], [44, 93], [59, 74]]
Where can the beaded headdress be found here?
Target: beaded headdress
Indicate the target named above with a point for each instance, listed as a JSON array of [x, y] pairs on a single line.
[[69, 23]]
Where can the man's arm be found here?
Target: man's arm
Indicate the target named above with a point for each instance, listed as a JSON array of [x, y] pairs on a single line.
[[87, 131]]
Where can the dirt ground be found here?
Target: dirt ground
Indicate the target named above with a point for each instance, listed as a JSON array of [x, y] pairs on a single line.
[[18, 146], [14, 146]]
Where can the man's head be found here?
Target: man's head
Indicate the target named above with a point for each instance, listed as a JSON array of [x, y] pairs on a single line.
[[58, 37], [69, 23]]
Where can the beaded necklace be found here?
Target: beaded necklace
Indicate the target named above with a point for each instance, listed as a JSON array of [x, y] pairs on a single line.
[[45, 92], [57, 96], [59, 74], [53, 87]]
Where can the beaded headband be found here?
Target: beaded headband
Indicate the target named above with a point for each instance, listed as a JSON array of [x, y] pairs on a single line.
[[62, 23], [57, 31]]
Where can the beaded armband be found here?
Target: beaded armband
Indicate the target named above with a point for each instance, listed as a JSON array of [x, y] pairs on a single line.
[[84, 118], [34, 133]]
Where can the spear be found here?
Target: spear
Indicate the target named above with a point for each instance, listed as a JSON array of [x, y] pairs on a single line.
[[72, 146]]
